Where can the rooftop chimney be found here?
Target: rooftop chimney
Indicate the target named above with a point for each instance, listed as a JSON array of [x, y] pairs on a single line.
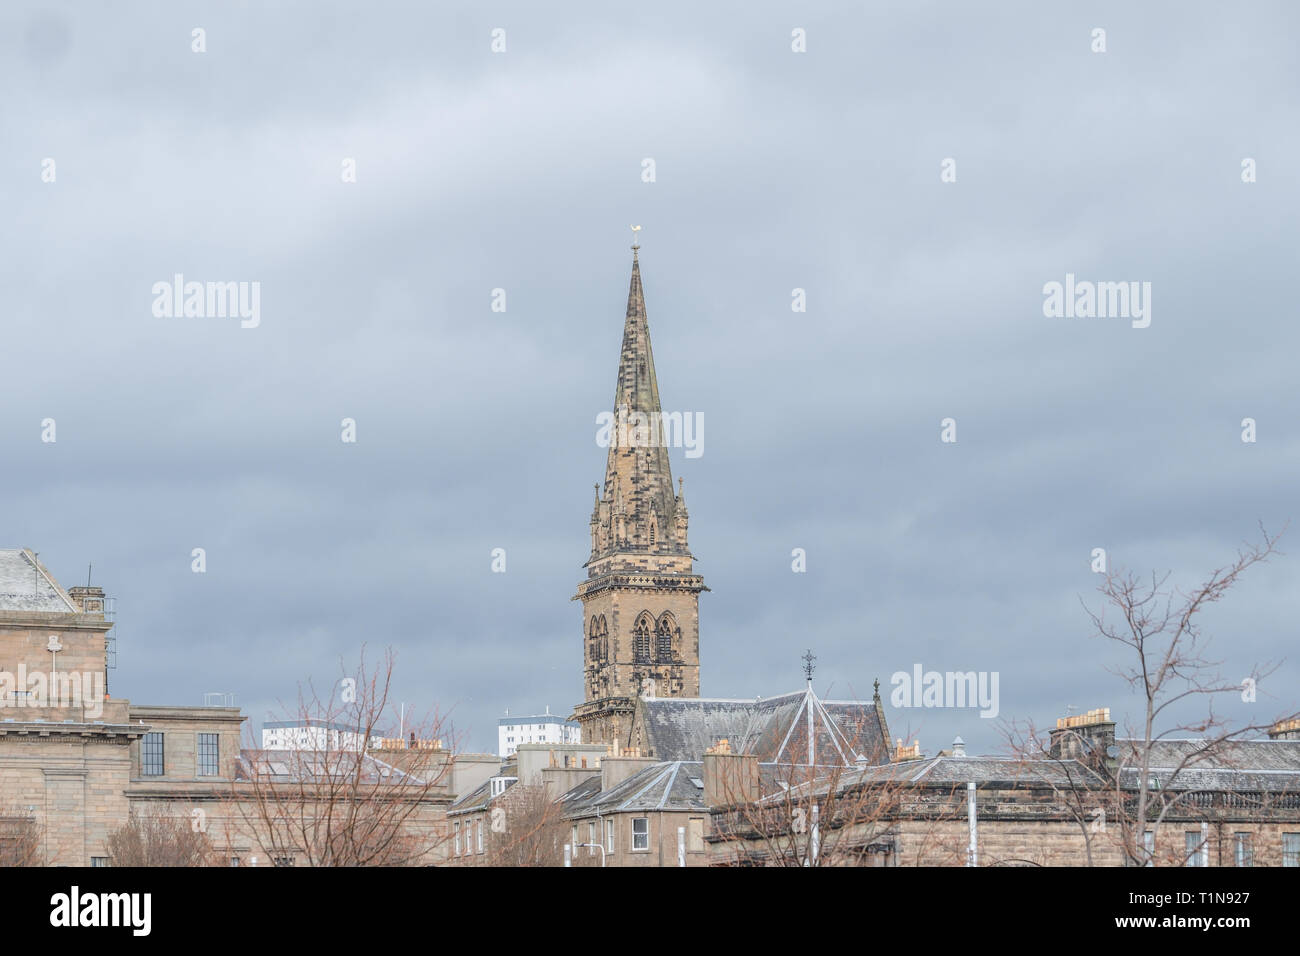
[[1285, 730], [614, 770], [1083, 736], [89, 599], [958, 747], [729, 778]]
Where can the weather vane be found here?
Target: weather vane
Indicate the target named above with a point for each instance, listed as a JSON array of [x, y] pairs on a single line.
[[809, 664], [635, 237]]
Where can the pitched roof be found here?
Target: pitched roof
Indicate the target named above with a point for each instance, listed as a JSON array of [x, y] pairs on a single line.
[[952, 772], [775, 728], [476, 799], [318, 766], [1272, 765], [25, 585], [671, 785]]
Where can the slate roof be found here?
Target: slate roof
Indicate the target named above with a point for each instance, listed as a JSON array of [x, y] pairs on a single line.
[[476, 799], [773, 728], [318, 766], [480, 798], [957, 771], [1234, 765], [25, 585], [662, 786]]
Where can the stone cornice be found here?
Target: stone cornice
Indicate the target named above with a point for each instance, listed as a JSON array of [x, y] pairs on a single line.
[[71, 621], [642, 580], [43, 728]]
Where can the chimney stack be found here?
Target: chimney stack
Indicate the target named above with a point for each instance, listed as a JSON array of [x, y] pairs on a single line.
[[1285, 730], [730, 778], [1083, 736], [89, 599]]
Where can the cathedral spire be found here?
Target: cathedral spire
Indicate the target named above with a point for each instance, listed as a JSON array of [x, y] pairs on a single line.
[[637, 465], [641, 594]]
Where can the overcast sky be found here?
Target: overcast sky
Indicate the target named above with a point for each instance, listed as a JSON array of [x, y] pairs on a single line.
[[774, 170]]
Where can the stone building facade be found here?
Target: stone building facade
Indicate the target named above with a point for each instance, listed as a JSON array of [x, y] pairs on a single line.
[[1211, 803], [77, 765]]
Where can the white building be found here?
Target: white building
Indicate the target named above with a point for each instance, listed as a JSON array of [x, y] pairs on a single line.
[[538, 729], [310, 734]]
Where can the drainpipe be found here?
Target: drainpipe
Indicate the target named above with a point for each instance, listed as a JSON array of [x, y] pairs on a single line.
[[816, 834], [972, 852]]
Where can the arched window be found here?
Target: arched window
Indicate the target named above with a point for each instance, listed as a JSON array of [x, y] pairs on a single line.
[[664, 639], [641, 639]]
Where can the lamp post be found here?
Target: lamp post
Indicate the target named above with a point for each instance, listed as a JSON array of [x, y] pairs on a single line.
[[597, 846], [53, 646]]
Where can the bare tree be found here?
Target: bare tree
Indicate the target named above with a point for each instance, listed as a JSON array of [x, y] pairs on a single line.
[[1159, 626], [372, 794], [20, 840], [153, 838], [1079, 790], [832, 814], [525, 828]]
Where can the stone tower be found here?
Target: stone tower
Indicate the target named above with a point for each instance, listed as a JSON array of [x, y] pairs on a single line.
[[640, 601]]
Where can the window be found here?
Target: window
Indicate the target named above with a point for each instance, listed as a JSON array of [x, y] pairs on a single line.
[[1243, 851], [640, 833], [664, 639], [151, 755], [641, 640], [283, 861], [609, 836], [478, 835], [573, 844], [591, 839], [695, 835], [1192, 847], [1149, 845], [234, 861], [1291, 849], [207, 755], [99, 861], [455, 829]]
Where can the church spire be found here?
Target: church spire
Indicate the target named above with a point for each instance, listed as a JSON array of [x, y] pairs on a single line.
[[641, 594], [637, 467]]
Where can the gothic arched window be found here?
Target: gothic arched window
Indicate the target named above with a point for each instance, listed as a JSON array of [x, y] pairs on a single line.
[[641, 639], [664, 639]]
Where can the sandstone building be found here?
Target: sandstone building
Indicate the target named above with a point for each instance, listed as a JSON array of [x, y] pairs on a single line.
[[76, 764]]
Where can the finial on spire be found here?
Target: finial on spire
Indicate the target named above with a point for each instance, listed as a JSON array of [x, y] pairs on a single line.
[[809, 665], [635, 244]]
